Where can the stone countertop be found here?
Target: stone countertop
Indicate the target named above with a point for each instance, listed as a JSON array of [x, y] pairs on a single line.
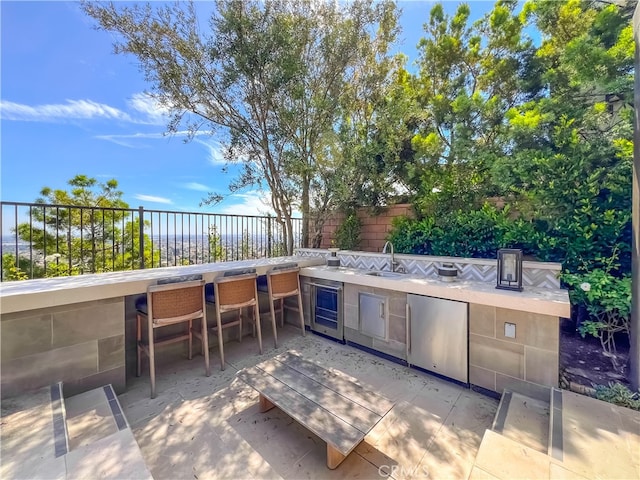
[[543, 301], [49, 292]]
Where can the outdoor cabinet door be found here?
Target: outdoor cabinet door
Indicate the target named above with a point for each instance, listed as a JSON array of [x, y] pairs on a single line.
[[439, 336], [373, 315]]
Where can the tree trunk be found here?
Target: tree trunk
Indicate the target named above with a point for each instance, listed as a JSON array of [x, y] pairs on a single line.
[[289, 232], [304, 206]]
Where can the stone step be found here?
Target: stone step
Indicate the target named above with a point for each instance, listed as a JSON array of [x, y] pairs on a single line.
[[527, 422], [524, 416], [91, 417], [101, 443], [42, 435], [33, 436], [503, 458], [587, 438]]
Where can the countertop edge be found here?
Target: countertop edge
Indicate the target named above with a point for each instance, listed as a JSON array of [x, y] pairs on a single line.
[[531, 300], [57, 291]]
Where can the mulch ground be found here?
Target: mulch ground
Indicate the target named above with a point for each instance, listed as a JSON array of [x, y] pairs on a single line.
[[583, 364]]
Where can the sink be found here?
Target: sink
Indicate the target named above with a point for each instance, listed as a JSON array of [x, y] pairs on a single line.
[[384, 274]]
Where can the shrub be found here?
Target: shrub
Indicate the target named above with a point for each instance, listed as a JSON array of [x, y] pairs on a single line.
[[618, 394], [413, 236], [608, 301], [478, 233], [347, 236]]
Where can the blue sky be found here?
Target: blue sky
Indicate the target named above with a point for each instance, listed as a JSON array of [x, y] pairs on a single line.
[[71, 106]]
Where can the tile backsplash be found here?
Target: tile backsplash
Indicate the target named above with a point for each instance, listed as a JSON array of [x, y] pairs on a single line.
[[534, 274]]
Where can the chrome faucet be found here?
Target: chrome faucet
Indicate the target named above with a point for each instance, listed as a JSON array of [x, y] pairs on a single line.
[[392, 264]]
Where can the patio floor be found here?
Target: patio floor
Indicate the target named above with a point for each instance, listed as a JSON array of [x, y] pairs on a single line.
[[201, 427]]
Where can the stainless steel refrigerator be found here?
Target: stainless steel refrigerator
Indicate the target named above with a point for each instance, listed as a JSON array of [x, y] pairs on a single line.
[[437, 336]]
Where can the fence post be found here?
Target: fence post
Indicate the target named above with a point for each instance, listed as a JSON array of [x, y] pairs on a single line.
[[269, 237], [141, 234]]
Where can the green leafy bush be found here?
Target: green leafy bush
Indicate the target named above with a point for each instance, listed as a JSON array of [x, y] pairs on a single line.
[[586, 238], [9, 269], [608, 301], [347, 236], [414, 236], [478, 233], [618, 394]]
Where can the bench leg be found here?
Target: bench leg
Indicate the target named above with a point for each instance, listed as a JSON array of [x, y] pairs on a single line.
[[265, 404], [334, 457]]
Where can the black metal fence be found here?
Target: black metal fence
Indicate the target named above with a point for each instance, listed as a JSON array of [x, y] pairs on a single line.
[[41, 240]]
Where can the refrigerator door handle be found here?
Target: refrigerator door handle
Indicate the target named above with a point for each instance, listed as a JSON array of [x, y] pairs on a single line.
[[328, 287], [408, 330]]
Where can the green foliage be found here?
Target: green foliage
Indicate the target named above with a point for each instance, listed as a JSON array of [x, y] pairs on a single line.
[[548, 129], [618, 394], [11, 271], [216, 251], [608, 301], [269, 79], [278, 249], [413, 236], [81, 237], [470, 75], [246, 249], [569, 163], [347, 236], [478, 233]]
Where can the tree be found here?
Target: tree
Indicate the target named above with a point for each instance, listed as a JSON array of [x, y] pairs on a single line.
[[571, 159], [216, 249], [267, 80], [470, 76], [83, 230]]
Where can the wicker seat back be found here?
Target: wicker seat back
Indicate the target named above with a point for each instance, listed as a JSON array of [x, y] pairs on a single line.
[[236, 291], [283, 282], [176, 301]]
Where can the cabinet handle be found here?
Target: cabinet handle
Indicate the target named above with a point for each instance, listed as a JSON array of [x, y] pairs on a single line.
[[381, 309], [408, 330], [328, 287]]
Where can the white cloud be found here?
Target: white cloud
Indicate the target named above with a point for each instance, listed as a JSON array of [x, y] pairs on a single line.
[[198, 187], [127, 140], [254, 202], [143, 109], [216, 157], [72, 110], [250, 203], [153, 112], [151, 198]]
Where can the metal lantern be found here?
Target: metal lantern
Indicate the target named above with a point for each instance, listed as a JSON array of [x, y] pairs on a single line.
[[509, 275]]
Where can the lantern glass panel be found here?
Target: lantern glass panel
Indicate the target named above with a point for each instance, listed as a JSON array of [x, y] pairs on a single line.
[[509, 275]]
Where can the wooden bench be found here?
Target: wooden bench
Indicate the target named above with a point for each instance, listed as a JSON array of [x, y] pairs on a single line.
[[338, 410]]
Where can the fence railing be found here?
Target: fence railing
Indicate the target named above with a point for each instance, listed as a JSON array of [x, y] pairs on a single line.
[[43, 240]]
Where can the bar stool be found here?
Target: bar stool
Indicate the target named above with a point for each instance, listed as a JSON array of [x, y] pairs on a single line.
[[235, 290], [170, 304], [284, 281]]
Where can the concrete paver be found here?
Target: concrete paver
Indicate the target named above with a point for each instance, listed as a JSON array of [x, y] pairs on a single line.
[[211, 427]]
